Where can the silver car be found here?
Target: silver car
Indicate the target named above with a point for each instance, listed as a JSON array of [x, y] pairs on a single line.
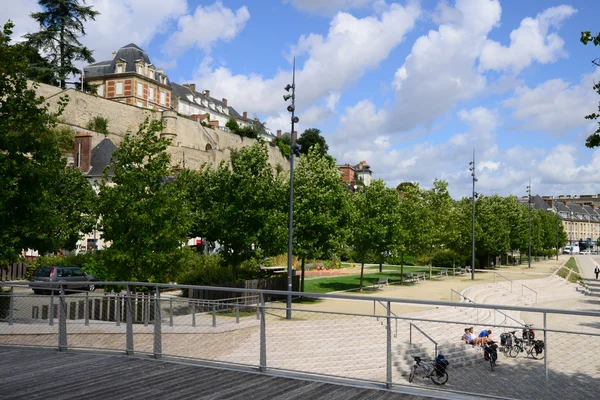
[[75, 277]]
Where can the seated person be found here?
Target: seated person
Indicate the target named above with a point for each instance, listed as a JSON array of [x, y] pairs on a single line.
[[469, 337]]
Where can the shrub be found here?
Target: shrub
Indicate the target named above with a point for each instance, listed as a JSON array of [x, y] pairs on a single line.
[[90, 263], [396, 259], [65, 138], [98, 124], [447, 259], [284, 147]]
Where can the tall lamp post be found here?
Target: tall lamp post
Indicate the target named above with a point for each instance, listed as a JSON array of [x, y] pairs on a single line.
[[472, 169], [291, 108], [557, 218], [529, 202]]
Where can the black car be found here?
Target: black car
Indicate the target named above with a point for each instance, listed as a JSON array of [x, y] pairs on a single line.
[[75, 277]]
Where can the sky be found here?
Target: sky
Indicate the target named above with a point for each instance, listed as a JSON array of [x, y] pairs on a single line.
[[412, 87]]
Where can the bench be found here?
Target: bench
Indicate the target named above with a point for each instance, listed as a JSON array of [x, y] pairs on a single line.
[[410, 278], [277, 269], [381, 282], [459, 271], [421, 275], [443, 271]]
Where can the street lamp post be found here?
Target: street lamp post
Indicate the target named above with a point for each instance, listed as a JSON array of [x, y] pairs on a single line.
[[472, 169], [529, 202], [557, 217], [291, 108]]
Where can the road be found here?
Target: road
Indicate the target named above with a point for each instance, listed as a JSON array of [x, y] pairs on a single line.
[[587, 265]]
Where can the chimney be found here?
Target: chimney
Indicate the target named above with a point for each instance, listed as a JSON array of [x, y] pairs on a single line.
[[279, 133], [225, 101], [207, 93], [114, 55], [245, 116], [82, 151], [295, 136], [192, 87]]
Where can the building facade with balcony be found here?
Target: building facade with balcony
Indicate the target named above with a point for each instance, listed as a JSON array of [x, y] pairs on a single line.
[[131, 78]]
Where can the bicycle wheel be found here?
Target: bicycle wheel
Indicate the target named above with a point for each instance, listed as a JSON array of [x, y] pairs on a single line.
[[439, 380], [514, 351], [536, 355], [411, 377]]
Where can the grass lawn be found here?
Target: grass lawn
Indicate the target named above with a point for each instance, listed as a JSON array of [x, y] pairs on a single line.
[[349, 282], [570, 265]]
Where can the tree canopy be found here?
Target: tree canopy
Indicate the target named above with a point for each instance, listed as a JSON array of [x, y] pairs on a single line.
[[43, 204], [594, 139], [144, 211], [61, 23], [310, 138]]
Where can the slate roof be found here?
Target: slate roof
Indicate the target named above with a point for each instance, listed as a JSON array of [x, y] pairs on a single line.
[[561, 207], [130, 54], [539, 203], [101, 158]]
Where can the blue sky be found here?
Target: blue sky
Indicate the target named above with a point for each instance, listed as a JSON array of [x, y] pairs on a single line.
[[412, 87]]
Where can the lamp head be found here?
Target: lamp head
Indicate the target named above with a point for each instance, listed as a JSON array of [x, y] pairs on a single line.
[[295, 120], [291, 108], [288, 87], [286, 97]]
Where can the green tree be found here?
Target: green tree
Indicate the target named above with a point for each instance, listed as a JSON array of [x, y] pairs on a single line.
[[240, 206], [311, 137], [375, 222], [43, 205], [61, 22], [38, 68], [145, 214], [594, 139], [320, 208], [495, 230], [233, 125], [437, 206], [411, 233]]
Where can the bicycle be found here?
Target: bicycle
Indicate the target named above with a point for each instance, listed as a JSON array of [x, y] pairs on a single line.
[[507, 340], [490, 353], [533, 348], [432, 370]]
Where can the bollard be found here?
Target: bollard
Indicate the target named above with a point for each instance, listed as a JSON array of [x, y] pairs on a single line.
[[51, 311], [194, 314], [214, 316], [62, 321], [237, 313], [86, 309], [11, 306], [171, 313], [129, 318]]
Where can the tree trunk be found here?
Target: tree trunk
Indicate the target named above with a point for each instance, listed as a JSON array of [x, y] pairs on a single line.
[[401, 268], [380, 263], [430, 269], [362, 271], [302, 277], [62, 57]]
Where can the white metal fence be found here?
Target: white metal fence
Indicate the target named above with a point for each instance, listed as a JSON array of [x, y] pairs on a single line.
[[377, 345]]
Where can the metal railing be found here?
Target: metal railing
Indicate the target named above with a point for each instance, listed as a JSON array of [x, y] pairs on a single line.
[[424, 334], [389, 311], [502, 276], [325, 340], [534, 292]]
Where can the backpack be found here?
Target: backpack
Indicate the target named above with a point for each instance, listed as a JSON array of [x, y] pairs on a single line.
[[505, 339], [441, 364], [538, 346]]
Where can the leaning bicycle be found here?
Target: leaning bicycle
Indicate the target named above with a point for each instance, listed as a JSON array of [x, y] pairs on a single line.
[[434, 370]]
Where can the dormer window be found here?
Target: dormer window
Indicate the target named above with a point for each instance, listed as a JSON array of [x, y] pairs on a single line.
[[205, 103], [151, 74], [226, 110], [140, 70], [219, 109], [211, 105], [119, 68]]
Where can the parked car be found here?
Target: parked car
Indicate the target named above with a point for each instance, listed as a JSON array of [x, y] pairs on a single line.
[[585, 252], [73, 275]]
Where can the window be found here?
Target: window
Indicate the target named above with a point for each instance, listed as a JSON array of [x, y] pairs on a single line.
[[163, 97], [100, 90], [151, 93], [139, 103], [151, 74], [140, 70], [140, 89], [119, 68], [119, 88]]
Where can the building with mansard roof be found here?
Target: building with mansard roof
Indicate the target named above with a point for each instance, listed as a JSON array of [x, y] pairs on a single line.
[[131, 78]]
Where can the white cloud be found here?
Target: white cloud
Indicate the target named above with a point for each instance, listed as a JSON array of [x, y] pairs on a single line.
[[218, 23], [440, 70], [530, 42], [124, 21], [327, 7], [555, 106], [351, 46]]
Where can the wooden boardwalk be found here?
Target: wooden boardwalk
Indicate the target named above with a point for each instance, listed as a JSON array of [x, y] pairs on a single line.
[[50, 374]]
